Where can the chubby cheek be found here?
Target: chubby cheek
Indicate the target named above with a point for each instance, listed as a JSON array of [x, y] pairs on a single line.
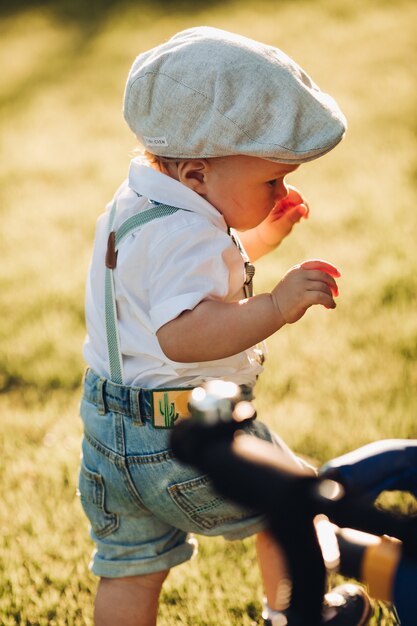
[[242, 210], [266, 207], [254, 211]]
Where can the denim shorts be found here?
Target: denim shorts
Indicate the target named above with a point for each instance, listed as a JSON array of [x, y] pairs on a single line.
[[142, 504]]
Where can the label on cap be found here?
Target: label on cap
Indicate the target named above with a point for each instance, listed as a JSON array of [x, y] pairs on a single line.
[[155, 141]]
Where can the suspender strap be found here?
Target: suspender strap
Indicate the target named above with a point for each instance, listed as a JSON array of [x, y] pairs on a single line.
[[114, 240]]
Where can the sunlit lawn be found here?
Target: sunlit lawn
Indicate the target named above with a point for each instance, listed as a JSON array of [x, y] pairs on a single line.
[[334, 381]]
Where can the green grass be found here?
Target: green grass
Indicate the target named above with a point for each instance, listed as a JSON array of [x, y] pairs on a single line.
[[334, 381]]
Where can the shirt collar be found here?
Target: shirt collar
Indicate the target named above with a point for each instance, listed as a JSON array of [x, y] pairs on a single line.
[[154, 185]]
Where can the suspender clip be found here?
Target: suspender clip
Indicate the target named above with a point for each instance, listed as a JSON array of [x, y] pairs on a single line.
[[111, 254]]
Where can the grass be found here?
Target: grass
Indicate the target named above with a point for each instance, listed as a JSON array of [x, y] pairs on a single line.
[[334, 381]]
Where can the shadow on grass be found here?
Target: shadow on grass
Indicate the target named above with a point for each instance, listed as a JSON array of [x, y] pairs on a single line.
[[91, 14]]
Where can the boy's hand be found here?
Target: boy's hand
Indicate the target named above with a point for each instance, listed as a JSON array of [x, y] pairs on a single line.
[[282, 218], [311, 282]]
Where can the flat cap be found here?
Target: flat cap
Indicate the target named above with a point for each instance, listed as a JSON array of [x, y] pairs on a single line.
[[209, 93]]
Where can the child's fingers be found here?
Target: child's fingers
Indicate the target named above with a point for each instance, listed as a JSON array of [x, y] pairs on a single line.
[[293, 213], [321, 296], [294, 196], [318, 276], [324, 287], [322, 266], [294, 199], [297, 213]]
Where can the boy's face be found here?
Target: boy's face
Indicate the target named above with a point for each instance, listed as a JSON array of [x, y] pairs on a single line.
[[243, 189]]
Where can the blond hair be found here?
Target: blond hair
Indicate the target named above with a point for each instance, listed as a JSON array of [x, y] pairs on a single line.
[[154, 160]]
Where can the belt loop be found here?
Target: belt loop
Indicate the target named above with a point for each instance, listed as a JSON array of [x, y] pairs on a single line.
[[101, 402], [135, 413]]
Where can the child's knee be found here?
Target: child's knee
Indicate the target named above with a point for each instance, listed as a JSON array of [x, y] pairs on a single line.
[[151, 581]]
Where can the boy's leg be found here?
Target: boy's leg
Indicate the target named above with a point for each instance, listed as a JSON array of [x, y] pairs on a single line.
[[130, 601], [274, 572]]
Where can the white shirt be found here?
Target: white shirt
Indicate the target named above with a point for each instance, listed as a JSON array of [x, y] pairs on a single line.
[[166, 267]]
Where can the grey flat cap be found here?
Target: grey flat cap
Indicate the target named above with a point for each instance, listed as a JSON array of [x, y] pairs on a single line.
[[208, 93]]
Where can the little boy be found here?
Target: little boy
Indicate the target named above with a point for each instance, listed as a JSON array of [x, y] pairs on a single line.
[[169, 306]]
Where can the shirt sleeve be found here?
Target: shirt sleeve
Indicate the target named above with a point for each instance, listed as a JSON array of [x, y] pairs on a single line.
[[191, 264]]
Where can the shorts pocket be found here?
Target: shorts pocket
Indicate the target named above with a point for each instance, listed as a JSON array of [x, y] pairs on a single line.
[[92, 493], [203, 505]]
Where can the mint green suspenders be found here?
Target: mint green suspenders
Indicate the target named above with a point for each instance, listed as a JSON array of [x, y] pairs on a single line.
[[115, 238]]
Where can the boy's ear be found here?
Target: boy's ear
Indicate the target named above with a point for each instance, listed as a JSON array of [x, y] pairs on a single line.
[[193, 174]]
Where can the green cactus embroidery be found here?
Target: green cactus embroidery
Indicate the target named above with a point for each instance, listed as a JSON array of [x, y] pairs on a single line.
[[167, 410]]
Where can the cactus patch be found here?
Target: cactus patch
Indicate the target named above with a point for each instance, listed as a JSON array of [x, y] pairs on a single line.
[[169, 406]]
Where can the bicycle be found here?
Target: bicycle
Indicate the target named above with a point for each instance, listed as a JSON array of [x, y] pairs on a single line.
[[318, 508]]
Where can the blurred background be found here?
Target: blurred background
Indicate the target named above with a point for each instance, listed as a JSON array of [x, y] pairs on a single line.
[[333, 381]]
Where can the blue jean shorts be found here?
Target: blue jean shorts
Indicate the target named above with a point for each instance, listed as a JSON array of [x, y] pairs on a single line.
[[142, 504]]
